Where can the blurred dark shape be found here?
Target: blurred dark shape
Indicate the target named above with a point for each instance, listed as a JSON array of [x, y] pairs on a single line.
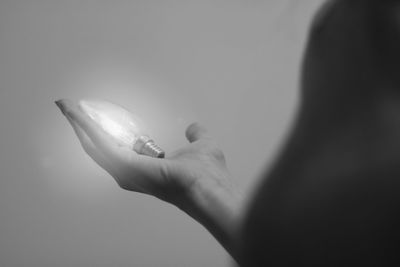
[[333, 195]]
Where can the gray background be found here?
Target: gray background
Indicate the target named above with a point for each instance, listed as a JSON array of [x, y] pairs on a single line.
[[231, 65]]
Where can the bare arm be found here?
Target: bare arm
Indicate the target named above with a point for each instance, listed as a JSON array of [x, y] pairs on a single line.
[[194, 178]]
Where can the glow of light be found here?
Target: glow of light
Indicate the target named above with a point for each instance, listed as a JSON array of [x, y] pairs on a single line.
[[119, 123], [122, 125], [111, 127]]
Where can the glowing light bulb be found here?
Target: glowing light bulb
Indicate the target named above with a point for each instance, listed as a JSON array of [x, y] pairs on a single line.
[[123, 126]]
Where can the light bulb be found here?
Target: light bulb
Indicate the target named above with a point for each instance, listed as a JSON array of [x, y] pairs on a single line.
[[123, 126]]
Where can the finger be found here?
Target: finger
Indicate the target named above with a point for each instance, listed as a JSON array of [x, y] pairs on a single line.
[[89, 148], [99, 138], [195, 132], [95, 154]]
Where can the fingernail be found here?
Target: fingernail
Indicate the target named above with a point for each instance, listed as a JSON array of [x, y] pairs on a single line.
[[60, 106]]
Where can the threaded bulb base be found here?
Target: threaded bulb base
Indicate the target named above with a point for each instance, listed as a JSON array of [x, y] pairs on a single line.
[[146, 146], [152, 150]]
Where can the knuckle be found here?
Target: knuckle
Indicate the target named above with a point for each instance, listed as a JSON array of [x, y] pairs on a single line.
[[215, 152], [123, 185], [219, 154]]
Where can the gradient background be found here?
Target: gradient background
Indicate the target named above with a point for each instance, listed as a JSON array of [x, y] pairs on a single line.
[[231, 65]]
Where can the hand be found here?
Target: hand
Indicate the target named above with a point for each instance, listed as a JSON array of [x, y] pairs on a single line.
[[194, 178], [200, 162]]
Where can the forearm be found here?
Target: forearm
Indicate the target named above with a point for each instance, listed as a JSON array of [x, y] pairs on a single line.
[[219, 208]]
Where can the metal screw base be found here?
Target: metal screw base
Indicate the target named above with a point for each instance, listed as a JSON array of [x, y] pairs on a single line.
[[152, 150], [146, 146]]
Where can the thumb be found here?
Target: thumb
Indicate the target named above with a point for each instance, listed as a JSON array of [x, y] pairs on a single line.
[[195, 131]]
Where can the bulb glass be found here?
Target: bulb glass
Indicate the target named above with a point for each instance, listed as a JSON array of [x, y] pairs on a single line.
[[125, 128]]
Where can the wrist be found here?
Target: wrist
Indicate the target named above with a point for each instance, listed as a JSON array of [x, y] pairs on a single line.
[[218, 207], [205, 197]]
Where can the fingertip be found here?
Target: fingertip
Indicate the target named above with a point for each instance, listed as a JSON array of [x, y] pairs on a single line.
[[73, 111], [65, 105], [196, 131], [59, 105]]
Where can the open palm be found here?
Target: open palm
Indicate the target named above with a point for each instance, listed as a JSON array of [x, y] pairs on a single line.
[[199, 162]]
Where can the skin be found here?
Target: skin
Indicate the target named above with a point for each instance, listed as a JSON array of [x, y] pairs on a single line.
[[332, 196], [194, 178]]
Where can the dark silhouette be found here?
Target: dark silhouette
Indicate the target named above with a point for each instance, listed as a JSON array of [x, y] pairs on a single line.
[[333, 197]]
